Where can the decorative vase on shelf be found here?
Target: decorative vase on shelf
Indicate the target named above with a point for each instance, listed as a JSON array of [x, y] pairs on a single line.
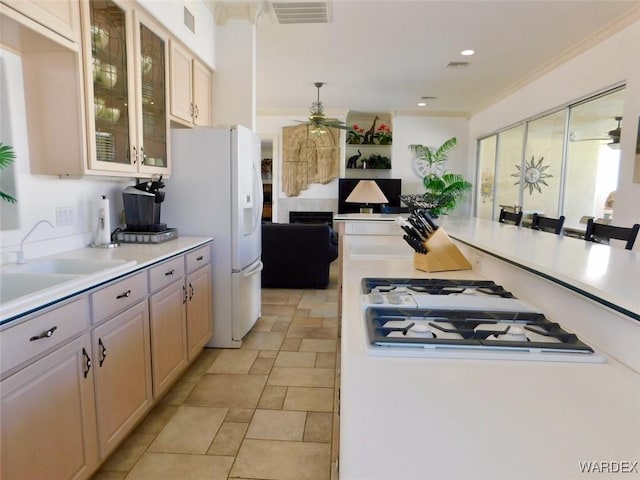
[[354, 141], [385, 141]]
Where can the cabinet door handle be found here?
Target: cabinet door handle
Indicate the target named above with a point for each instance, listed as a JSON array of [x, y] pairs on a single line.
[[191, 291], [135, 155], [45, 334], [126, 294], [184, 294], [200, 258], [197, 111], [170, 272], [144, 155], [103, 351], [87, 363], [192, 109]]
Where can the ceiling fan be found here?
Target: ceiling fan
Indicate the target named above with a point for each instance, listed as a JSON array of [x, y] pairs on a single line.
[[613, 135], [318, 120]]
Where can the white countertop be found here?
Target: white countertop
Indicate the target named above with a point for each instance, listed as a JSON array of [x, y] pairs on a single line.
[[610, 274], [430, 418], [136, 256]]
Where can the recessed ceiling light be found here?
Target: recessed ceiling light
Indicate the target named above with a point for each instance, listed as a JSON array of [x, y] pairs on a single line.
[[467, 52], [422, 104]]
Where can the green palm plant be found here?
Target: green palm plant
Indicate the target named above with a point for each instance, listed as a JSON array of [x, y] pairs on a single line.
[[7, 157], [443, 190]]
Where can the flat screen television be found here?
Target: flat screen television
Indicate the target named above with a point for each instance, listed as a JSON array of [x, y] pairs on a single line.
[[391, 187]]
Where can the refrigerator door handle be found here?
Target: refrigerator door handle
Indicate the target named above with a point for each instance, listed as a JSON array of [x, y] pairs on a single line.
[[254, 271], [257, 193]]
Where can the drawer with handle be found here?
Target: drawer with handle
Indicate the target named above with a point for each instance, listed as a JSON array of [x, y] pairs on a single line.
[[198, 258], [118, 296], [39, 334], [166, 273]]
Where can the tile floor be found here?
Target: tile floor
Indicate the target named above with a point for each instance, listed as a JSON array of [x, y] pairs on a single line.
[[264, 411]]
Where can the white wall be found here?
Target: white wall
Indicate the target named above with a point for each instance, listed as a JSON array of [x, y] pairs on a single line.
[[613, 61]]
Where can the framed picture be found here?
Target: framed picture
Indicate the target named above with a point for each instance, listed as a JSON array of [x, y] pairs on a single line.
[[636, 169]]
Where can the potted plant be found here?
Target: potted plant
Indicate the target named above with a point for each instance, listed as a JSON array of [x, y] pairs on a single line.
[[443, 189], [384, 135], [7, 157], [354, 136]]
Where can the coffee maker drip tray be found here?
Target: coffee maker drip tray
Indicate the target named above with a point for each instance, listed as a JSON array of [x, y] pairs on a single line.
[[126, 236]]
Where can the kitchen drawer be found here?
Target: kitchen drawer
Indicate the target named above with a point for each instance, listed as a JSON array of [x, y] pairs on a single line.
[[118, 296], [372, 228], [166, 273], [198, 258], [43, 332]]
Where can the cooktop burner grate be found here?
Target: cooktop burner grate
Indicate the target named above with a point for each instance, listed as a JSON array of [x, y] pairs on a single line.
[[434, 286], [428, 328]]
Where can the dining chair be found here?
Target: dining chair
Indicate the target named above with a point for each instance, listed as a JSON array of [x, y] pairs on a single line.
[[547, 224], [506, 217], [600, 233]]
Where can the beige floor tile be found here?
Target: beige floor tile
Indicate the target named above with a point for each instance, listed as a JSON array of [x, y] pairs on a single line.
[[297, 331], [200, 366], [281, 326], [262, 341], [325, 360], [318, 427], [272, 397], [307, 321], [232, 391], [278, 460], [267, 354], [277, 425], [228, 439], [301, 377], [309, 399], [241, 415], [157, 418], [284, 310], [125, 457], [329, 322], [233, 361], [178, 393], [170, 466], [290, 345], [191, 430], [100, 475], [262, 366], [296, 359], [313, 345]]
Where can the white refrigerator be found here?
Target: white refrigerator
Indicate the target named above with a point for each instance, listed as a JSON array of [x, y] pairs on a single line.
[[215, 190]]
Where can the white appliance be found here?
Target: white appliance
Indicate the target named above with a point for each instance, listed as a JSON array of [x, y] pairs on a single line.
[[215, 190]]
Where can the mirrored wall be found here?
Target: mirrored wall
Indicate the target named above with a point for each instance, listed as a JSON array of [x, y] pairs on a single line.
[[564, 162]]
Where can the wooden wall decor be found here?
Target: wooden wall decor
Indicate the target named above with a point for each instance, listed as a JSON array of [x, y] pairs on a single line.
[[308, 158]]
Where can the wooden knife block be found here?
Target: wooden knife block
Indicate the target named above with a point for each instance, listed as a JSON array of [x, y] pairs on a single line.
[[442, 255]]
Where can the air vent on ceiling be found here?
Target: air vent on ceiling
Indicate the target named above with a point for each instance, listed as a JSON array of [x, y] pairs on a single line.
[[189, 20], [457, 64], [301, 12]]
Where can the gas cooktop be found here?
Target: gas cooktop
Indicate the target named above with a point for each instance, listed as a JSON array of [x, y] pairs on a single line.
[[462, 319]]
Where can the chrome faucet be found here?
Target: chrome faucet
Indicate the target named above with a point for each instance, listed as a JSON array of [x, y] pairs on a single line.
[[21, 259]]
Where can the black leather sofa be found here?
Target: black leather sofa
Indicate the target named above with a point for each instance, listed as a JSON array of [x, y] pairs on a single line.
[[297, 255]]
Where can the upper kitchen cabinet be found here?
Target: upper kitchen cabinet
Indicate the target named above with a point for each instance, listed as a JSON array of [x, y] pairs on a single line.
[[126, 81], [190, 88], [60, 16]]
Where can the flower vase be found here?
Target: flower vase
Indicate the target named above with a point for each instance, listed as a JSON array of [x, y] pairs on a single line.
[[384, 141]]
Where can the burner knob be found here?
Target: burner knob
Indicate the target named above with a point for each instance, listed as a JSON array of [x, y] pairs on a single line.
[[395, 299], [376, 298]]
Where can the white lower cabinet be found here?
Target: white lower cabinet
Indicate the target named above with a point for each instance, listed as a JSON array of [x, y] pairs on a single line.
[[122, 366], [168, 336], [48, 417], [76, 379]]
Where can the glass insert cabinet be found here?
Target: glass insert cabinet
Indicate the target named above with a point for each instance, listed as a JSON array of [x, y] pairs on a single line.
[[126, 76]]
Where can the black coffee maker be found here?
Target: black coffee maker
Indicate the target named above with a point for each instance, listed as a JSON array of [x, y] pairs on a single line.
[[142, 204]]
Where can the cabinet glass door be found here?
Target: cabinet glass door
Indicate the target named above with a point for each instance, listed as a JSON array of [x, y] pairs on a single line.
[[153, 96], [110, 82]]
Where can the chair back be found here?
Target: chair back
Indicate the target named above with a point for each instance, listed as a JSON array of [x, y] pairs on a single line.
[[600, 233], [506, 217], [547, 224]]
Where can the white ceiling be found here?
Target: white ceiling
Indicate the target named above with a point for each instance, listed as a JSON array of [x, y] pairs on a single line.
[[382, 56]]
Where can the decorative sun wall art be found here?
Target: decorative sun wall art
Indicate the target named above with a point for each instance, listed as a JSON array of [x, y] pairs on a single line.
[[534, 175]]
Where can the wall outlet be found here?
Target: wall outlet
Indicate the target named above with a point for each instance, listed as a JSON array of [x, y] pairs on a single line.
[[64, 216]]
